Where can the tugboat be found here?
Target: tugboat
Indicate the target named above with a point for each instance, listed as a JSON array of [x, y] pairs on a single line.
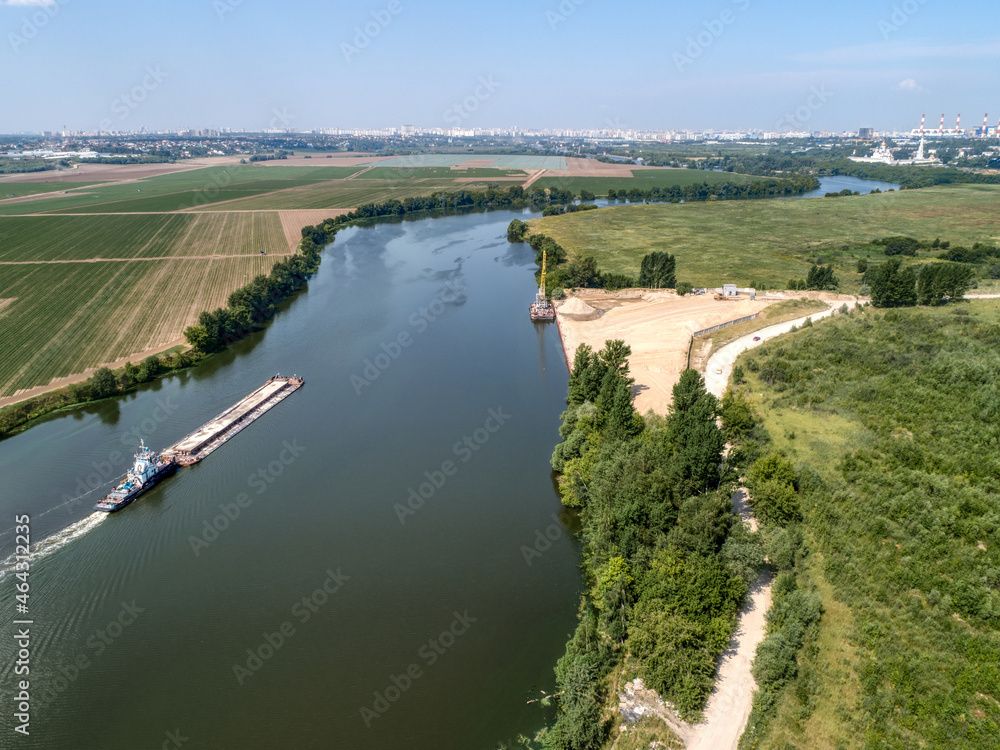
[[148, 469], [541, 308]]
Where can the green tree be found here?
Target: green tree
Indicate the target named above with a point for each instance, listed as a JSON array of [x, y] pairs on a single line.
[[658, 271], [197, 336], [775, 502], [772, 467], [696, 440], [892, 285], [938, 282], [150, 368], [821, 278], [103, 383], [622, 420], [684, 287], [582, 272]]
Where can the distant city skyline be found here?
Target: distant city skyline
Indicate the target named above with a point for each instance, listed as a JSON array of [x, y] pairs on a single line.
[[732, 65]]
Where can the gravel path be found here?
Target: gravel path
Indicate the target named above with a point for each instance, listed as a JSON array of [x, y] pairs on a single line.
[[715, 381], [729, 704]]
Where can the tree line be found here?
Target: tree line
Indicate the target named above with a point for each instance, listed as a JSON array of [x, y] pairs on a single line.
[[666, 562], [104, 383], [752, 190], [657, 269], [894, 285]]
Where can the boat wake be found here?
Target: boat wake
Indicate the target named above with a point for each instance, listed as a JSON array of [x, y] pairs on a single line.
[[55, 542]]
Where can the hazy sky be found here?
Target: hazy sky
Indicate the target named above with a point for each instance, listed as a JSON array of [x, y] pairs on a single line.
[[85, 64]]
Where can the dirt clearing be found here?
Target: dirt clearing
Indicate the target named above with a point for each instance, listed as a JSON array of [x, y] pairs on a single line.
[[658, 327]]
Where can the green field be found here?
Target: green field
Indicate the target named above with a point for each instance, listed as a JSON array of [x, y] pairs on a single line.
[[172, 192], [891, 421], [772, 241], [440, 173], [48, 238], [345, 194], [643, 179], [21, 189], [67, 317]]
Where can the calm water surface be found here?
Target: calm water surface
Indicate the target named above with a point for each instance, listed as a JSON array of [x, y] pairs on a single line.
[[438, 627]]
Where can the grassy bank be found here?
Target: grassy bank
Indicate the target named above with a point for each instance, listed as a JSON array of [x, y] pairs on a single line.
[[766, 243], [890, 422]]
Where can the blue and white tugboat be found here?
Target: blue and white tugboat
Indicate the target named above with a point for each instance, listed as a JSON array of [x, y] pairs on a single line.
[[148, 469]]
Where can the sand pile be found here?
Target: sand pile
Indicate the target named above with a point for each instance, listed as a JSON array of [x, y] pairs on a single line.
[[576, 306]]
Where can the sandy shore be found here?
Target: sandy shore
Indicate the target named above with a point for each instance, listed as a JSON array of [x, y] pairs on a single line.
[[658, 327]]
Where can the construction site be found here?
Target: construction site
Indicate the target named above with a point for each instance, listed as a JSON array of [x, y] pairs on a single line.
[[659, 326]]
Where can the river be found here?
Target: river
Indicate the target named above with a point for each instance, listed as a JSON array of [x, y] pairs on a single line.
[[838, 183], [142, 625]]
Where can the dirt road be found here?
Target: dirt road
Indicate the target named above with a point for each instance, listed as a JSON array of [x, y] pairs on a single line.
[[720, 364], [729, 705]]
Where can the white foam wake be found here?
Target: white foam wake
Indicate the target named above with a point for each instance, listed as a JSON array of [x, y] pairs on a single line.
[[55, 542]]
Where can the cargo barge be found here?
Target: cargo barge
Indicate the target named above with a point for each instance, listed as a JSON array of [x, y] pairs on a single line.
[[149, 467], [147, 470], [218, 431]]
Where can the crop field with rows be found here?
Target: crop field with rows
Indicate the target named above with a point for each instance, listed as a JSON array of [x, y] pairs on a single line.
[[66, 317], [348, 194], [174, 192], [52, 238]]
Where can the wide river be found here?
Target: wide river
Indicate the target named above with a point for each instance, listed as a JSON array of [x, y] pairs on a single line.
[[380, 561], [141, 622]]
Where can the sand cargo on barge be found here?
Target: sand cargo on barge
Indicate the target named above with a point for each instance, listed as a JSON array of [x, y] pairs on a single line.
[[216, 432]]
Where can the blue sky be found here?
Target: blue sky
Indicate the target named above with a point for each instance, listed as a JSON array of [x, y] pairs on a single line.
[[305, 64]]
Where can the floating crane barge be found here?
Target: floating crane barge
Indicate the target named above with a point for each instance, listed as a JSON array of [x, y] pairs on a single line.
[[541, 308], [216, 432]]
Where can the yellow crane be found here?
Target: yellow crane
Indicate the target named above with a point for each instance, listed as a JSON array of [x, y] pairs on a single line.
[[541, 309]]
